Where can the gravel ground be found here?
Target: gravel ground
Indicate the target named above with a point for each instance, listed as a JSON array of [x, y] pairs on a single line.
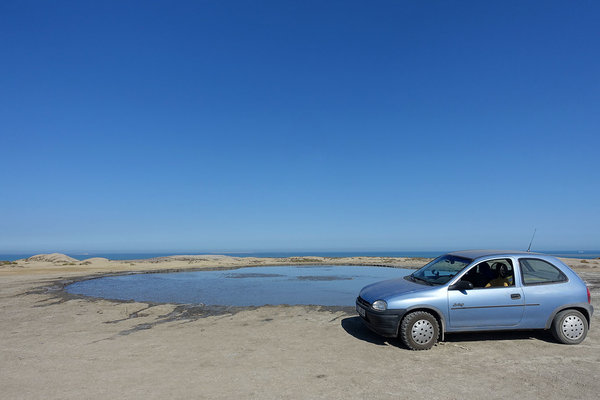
[[56, 347]]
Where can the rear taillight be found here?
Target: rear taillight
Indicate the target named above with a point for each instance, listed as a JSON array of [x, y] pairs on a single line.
[[589, 295]]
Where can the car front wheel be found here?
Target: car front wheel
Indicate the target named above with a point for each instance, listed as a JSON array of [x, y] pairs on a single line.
[[569, 327], [419, 330]]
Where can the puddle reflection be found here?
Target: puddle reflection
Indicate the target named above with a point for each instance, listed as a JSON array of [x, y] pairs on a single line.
[[253, 286]]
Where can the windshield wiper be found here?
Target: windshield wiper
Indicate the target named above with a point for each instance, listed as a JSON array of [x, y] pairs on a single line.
[[422, 280], [441, 283]]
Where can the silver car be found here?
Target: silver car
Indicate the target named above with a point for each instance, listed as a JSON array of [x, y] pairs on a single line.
[[479, 290]]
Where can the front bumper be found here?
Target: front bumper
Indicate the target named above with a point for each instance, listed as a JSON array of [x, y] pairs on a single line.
[[384, 323]]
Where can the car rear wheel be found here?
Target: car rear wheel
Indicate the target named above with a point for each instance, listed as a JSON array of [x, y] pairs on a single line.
[[569, 327], [419, 330]]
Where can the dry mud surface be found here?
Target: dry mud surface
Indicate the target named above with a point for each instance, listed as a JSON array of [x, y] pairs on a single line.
[[57, 347]]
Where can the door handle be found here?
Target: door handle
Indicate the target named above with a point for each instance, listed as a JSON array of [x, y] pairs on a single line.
[[515, 296]]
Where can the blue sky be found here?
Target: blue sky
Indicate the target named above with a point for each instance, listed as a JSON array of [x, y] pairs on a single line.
[[298, 125]]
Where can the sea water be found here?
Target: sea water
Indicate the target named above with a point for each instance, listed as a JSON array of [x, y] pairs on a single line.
[[588, 254]]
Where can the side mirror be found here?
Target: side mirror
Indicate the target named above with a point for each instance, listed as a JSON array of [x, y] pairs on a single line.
[[461, 285]]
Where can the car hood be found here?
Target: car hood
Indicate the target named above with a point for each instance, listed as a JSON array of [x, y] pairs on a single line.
[[384, 290]]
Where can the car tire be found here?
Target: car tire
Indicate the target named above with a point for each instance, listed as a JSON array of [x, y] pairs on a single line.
[[569, 327], [419, 330]]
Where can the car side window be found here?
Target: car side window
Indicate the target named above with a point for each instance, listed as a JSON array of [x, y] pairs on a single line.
[[492, 273], [536, 272]]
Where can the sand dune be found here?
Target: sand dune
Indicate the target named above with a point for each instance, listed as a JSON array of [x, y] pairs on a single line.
[[57, 262], [53, 258], [95, 260]]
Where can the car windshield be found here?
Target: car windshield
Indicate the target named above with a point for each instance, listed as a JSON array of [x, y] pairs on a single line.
[[440, 270]]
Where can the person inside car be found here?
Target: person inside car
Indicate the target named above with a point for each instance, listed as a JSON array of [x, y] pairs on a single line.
[[483, 276], [502, 279]]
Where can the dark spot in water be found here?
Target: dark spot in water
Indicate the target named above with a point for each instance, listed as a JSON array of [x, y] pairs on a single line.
[[267, 319], [254, 275], [320, 376], [324, 278]]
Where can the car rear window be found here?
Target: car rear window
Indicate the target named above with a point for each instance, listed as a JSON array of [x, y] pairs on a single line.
[[535, 272]]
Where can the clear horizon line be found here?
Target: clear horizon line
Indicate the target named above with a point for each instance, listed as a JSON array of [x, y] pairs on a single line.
[[183, 252]]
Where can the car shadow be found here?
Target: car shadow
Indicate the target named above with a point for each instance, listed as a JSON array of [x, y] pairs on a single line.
[[355, 327], [542, 335]]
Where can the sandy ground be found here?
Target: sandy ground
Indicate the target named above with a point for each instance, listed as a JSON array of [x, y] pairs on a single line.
[[57, 347]]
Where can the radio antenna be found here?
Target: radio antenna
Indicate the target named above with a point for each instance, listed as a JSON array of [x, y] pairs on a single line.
[[529, 248]]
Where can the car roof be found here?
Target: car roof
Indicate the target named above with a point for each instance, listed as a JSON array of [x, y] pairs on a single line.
[[474, 254]]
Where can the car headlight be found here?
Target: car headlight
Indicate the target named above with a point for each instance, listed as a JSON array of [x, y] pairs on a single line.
[[380, 305]]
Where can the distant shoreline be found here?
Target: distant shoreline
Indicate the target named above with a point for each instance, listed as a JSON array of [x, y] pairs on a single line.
[[587, 254]]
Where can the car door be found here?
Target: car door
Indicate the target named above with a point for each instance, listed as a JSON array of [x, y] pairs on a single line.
[[545, 288], [486, 307]]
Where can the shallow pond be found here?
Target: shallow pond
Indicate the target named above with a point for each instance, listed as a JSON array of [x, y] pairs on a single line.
[[253, 286]]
